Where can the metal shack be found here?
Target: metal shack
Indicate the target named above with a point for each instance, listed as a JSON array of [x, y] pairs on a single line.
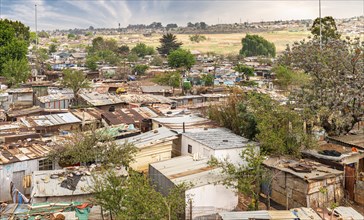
[[304, 183]]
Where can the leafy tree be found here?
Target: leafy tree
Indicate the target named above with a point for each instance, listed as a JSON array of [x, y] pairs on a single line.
[[169, 79], [168, 44], [245, 70], [335, 107], [43, 34], [286, 77], [186, 86], [91, 62], [75, 80], [256, 116], [197, 38], [140, 69], [245, 178], [328, 29], [123, 50], [90, 147], [16, 71], [71, 36], [125, 197], [157, 61], [99, 44], [132, 57], [52, 48], [142, 50], [208, 79], [255, 45], [181, 59], [171, 26], [14, 37]]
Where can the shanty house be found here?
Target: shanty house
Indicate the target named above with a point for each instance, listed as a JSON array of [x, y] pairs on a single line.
[[303, 183], [18, 161], [153, 146], [20, 97], [218, 142], [157, 90], [207, 196]]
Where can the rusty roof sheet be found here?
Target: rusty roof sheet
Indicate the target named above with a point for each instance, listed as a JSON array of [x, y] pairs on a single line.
[[22, 151], [315, 170]]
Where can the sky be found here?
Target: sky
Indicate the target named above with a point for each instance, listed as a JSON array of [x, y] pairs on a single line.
[[69, 14]]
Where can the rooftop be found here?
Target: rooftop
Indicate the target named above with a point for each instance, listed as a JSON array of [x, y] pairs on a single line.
[[22, 151], [354, 140], [305, 169], [262, 214], [185, 169], [191, 122], [50, 120], [155, 89], [149, 138], [219, 138]]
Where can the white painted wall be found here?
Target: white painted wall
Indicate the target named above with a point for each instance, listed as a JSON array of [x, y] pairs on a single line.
[[233, 155], [210, 199], [6, 175]]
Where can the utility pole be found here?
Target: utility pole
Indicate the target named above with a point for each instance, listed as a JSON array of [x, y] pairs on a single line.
[[320, 24], [36, 27], [1, 8]]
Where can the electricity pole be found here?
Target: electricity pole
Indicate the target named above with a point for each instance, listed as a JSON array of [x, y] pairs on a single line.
[[320, 24], [36, 28]]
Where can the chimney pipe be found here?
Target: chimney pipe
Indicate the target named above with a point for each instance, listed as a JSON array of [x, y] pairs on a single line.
[[184, 129]]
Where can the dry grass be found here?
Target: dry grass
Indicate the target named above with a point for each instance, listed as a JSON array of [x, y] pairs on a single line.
[[217, 43]]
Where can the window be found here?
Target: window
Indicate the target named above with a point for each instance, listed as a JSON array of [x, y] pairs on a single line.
[[189, 149], [45, 164]]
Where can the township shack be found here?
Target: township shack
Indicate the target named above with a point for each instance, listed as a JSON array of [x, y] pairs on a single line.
[[218, 142], [65, 185], [153, 146], [207, 196], [299, 183], [262, 214], [18, 161], [344, 158]]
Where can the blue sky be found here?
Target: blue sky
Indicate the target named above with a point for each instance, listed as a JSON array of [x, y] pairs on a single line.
[[65, 14]]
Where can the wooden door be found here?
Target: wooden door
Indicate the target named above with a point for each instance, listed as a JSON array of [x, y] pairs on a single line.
[[18, 180], [350, 181]]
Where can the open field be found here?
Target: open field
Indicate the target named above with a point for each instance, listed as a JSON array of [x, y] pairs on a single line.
[[218, 43]]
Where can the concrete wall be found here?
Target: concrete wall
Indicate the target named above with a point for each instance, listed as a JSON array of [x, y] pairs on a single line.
[[7, 175], [233, 155], [210, 199]]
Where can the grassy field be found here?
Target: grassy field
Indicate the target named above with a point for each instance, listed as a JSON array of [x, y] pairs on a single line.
[[218, 43]]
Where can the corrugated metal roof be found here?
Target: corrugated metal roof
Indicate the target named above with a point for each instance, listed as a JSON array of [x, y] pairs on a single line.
[[304, 213], [185, 169], [150, 138], [50, 120], [348, 213], [22, 151], [219, 138]]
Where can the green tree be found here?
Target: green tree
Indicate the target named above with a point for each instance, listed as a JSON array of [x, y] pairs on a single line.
[[90, 147], [255, 45], [168, 79], [186, 86], [328, 29], [245, 178], [91, 62], [168, 44], [157, 61], [181, 59], [43, 34], [75, 80], [125, 197], [132, 57], [247, 71], [123, 50], [277, 128], [52, 48], [140, 69], [142, 50], [71, 36], [197, 38], [286, 77], [336, 108], [208, 79], [14, 37], [16, 71]]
